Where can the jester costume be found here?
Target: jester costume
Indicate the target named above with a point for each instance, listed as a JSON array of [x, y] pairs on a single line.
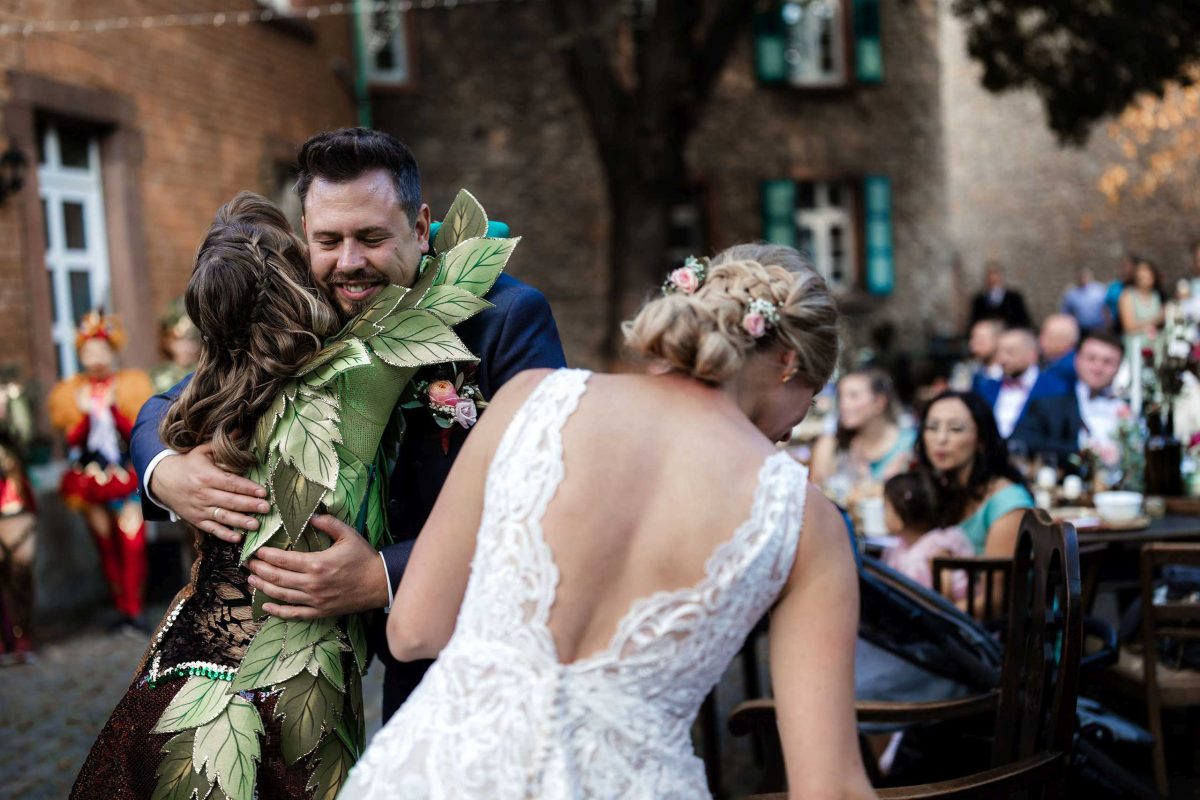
[[95, 411], [231, 703]]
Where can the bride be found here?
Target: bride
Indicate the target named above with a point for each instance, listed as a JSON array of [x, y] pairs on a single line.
[[604, 544]]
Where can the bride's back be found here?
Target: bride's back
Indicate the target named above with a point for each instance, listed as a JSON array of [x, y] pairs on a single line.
[[642, 512]]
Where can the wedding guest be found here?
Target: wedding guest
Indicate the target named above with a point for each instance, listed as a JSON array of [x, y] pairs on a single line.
[[870, 445], [1084, 300], [982, 344], [978, 488], [1022, 381], [996, 301], [910, 511], [1057, 340], [1112, 297], [1185, 305], [1085, 418], [1141, 304]]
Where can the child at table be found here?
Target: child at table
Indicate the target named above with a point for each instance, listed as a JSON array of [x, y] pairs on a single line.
[[909, 509]]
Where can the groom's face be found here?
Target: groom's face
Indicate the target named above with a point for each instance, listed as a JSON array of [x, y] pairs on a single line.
[[360, 239]]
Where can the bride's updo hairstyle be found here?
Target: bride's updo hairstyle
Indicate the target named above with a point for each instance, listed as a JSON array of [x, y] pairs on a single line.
[[703, 333], [260, 317]]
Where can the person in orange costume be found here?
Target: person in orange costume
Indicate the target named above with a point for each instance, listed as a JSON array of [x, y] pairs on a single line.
[[95, 410]]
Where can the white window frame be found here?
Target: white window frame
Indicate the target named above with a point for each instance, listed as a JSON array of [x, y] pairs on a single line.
[[278, 6], [373, 44], [57, 185], [821, 221], [808, 22]]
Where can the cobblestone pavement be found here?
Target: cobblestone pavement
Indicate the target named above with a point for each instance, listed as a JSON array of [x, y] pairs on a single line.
[[51, 711]]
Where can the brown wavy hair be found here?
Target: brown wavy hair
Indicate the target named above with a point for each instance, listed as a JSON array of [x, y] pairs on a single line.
[[260, 318]]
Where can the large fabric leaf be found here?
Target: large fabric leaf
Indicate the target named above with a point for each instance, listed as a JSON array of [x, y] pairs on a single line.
[[452, 304], [229, 750], [307, 433], [354, 354], [355, 738], [427, 275], [197, 702], [333, 763], [327, 657], [296, 497], [265, 430], [265, 662], [309, 706], [269, 525], [346, 497], [324, 356], [466, 219], [474, 265], [302, 633], [366, 324], [417, 338], [356, 632], [175, 779]]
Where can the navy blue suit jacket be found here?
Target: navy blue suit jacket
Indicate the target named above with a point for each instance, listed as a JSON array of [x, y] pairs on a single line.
[[1048, 384], [1051, 425], [519, 333]]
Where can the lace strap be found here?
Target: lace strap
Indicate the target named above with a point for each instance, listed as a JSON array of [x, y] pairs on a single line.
[[545, 411]]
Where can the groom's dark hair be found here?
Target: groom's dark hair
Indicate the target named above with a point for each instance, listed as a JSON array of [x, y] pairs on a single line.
[[344, 154]]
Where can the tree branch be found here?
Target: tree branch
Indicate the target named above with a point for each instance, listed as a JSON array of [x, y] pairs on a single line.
[[582, 26]]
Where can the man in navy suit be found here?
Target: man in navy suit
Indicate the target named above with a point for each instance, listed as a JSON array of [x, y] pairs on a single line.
[[366, 227], [1023, 381], [1088, 415]]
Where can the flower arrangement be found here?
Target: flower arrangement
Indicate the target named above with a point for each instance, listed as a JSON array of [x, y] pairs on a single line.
[[453, 399], [688, 278]]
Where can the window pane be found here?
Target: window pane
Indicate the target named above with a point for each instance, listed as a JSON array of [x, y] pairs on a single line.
[[73, 146], [46, 222], [805, 197], [73, 224], [81, 293], [835, 195], [41, 144]]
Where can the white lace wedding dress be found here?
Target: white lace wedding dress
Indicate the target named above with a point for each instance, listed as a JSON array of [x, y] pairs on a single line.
[[499, 717]]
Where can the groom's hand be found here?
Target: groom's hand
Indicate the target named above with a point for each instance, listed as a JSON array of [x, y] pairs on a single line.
[[205, 495], [344, 579]]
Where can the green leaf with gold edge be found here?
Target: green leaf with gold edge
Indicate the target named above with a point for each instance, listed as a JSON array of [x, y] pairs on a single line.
[[417, 338], [256, 605], [333, 763], [466, 219], [199, 701], [356, 632], [269, 532], [264, 663], [427, 275], [474, 265], [229, 750], [302, 633], [354, 355], [356, 737], [452, 304], [306, 438], [296, 497], [309, 706], [174, 778], [382, 304], [344, 500], [265, 429], [324, 356], [327, 656]]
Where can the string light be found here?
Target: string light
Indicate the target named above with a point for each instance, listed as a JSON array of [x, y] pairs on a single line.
[[217, 19]]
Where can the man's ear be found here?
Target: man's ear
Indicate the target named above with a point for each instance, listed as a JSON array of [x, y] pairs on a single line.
[[421, 227]]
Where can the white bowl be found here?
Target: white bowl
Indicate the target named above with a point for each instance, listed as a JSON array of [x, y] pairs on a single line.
[[1118, 506]]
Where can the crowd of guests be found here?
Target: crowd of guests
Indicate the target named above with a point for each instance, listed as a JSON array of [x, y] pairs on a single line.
[[947, 478]]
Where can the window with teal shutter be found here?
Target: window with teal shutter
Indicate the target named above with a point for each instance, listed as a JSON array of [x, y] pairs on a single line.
[[779, 212], [770, 46], [877, 203], [868, 43]]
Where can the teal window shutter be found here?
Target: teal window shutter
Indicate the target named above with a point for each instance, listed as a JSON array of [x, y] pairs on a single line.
[[770, 46], [868, 43], [779, 212], [881, 269]]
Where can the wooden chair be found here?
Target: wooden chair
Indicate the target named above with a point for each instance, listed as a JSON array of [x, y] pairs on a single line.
[[987, 583], [1035, 710], [1142, 674]]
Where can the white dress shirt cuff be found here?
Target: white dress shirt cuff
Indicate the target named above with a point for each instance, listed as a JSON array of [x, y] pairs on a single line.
[[388, 578], [146, 481]]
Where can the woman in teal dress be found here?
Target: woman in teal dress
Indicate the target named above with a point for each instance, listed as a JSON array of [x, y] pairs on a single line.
[[979, 489]]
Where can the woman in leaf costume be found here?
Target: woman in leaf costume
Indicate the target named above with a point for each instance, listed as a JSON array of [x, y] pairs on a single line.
[[229, 703]]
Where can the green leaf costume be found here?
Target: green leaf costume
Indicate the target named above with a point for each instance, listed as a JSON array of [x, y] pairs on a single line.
[[324, 445]]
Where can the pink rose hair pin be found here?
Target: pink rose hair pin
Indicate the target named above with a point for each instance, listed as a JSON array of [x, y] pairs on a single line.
[[688, 278], [761, 316]]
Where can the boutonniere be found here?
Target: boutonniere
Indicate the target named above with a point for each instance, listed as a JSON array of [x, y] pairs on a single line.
[[452, 399]]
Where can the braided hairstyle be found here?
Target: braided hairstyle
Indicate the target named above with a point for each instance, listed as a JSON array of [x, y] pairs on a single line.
[[701, 334], [260, 317]]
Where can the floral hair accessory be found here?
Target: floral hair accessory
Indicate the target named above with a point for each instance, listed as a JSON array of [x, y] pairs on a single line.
[[761, 316], [688, 278]]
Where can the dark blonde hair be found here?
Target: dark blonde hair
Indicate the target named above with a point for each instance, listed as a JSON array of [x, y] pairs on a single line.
[[702, 335], [260, 318]]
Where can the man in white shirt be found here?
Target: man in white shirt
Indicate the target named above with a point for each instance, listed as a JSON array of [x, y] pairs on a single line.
[[1088, 416], [1017, 353]]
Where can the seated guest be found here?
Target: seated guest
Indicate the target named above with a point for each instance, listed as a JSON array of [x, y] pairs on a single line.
[[982, 365], [1084, 300], [978, 488], [1022, 381], [910, 512], [1058, 339], [1086, 417], [869, 446]]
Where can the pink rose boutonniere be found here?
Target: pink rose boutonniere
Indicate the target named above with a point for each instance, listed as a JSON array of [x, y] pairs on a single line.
[[688, 278], [452, 401]]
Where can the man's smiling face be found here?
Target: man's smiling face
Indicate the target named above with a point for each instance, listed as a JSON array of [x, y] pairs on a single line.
[[360, 239]]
